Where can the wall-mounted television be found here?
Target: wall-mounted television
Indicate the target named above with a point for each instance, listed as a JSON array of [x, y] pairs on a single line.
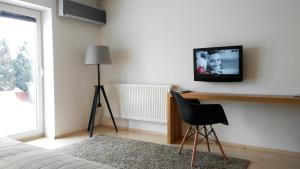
[[218, 64]]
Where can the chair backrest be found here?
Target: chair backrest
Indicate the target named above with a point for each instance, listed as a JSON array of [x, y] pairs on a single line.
[[183, 106], [199, 114]]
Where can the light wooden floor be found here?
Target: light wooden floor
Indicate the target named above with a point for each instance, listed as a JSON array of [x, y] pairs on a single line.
[[259, 159]]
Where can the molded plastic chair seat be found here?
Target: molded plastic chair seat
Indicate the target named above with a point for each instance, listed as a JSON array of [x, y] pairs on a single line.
[[204, 114]]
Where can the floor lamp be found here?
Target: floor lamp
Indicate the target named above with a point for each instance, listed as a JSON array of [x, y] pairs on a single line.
[[98, 55]]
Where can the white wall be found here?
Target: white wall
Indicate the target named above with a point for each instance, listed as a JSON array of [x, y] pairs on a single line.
[[152, 43], [73, 81]]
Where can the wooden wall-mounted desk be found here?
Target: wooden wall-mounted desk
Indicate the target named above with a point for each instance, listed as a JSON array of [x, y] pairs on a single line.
[[174, 132]]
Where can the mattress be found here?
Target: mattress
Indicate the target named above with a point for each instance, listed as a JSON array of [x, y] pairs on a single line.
[[17, 155]]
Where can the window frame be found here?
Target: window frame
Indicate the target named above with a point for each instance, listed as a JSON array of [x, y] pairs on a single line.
[[39, 132]]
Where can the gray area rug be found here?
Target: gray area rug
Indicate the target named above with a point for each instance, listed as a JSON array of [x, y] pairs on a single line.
[[132, 154]]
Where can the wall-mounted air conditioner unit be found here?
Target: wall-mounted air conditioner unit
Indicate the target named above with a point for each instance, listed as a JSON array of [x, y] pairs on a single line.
[[70, 9]]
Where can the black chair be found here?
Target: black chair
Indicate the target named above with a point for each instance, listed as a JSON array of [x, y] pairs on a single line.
[[196, 114]]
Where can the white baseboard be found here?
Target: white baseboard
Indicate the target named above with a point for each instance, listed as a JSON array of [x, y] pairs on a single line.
[[135, 124]]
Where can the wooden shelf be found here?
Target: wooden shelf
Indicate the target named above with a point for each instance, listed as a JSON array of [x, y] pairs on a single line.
[[243, 97]]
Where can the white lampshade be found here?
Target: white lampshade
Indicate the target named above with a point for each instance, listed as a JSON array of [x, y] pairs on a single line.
[[97, 55]]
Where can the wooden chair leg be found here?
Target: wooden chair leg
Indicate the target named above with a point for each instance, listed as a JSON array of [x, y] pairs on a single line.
[[219, 144], [194, 148], [184, 138], [207, 140]]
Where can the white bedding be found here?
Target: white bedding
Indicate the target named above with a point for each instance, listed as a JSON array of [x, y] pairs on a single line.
[[17, 155]]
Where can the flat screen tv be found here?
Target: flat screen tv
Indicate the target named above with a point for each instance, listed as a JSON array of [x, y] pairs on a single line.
[[218, 64]]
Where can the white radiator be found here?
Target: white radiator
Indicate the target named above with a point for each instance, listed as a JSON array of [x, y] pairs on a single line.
[[138, 102]]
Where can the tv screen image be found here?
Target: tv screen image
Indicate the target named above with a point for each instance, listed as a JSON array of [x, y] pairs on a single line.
[[218, 64]]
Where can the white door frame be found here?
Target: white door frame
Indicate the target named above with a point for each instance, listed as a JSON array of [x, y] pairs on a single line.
[[39, 69]]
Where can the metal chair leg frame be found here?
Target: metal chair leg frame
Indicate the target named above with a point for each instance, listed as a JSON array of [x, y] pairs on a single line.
[[206, 136], [211, 133], [184, 138], [219, 144]]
